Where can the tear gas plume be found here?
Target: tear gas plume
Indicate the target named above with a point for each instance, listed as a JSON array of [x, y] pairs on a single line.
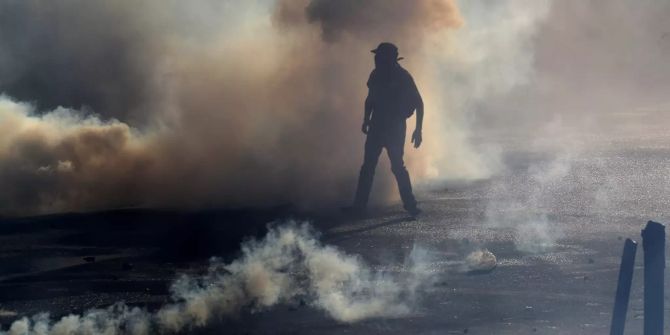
[[288, 265], [217, 103], [168, 103]]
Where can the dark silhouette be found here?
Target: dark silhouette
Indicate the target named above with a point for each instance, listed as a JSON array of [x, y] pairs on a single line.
[[392, 98]]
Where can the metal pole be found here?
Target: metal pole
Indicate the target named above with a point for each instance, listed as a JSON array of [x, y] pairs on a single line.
[[653, 243], [623, 288]]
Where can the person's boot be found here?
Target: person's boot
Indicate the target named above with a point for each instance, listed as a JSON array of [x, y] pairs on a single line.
[[414, 210]]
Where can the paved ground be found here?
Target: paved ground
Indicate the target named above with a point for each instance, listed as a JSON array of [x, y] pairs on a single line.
[[555, 219]]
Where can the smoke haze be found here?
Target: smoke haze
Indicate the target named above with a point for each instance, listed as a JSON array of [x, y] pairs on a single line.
[[598, 79], [590, 58]]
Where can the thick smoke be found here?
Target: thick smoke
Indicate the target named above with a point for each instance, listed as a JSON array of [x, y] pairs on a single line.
[[63, 159], [217, 103], [288, 265], [258, 102]]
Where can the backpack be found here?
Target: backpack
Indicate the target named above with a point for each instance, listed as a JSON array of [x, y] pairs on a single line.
[[395, 93]]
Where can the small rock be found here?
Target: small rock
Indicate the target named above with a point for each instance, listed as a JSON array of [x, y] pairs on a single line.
[[127, 266], [465, 331], [591, 261], [89, 259], [481, 261]]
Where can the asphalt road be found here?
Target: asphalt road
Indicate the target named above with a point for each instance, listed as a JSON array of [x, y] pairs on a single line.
[[555, 218]]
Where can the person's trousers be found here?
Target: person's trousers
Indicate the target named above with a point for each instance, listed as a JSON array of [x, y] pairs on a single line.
[[393, 139]]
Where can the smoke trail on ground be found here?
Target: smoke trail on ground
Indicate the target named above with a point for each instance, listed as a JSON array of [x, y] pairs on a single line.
[[287, 265]]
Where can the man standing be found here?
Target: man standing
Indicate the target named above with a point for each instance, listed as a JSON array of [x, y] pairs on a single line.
[[392, 98]]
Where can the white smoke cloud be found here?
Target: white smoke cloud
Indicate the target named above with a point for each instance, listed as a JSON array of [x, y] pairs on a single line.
[[490, 56], [287, 265]]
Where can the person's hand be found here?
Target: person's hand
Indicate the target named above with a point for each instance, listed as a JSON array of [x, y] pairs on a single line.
[[366, 127], [416, 138]]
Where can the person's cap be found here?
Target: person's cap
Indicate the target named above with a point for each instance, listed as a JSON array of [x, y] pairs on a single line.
[[387, 49]]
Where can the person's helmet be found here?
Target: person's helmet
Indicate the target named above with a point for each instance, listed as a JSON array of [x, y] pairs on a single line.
[[387, 49]]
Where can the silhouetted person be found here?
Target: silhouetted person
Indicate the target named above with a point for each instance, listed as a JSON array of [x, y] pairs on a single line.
[[392, 98]]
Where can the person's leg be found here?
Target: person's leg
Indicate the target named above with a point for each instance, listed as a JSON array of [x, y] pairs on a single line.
[[373, 148], [395, 150]]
